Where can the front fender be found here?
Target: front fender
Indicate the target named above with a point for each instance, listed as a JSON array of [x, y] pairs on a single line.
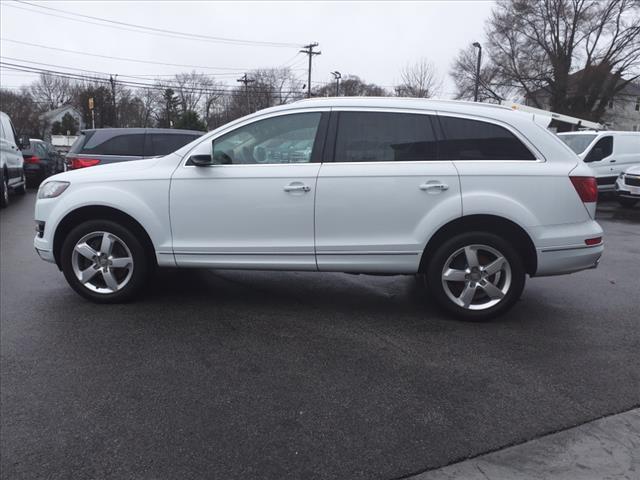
[[131, 197]]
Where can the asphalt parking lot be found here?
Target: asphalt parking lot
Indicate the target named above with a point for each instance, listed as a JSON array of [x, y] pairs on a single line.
[[221, 374]]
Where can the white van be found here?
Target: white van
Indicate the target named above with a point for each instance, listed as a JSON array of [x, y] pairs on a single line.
[[11, 161], [607, 153]]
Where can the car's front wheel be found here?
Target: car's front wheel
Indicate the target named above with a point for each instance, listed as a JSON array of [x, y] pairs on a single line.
[[4, 190], [475, 276], [104, 261]]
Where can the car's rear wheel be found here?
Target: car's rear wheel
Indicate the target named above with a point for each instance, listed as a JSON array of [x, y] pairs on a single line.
[[475, 276], [104, 261], [627, 202]]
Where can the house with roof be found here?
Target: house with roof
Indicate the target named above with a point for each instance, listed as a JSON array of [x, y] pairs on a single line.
[[54, 121]]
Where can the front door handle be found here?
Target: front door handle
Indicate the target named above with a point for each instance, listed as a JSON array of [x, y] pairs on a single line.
[[612, 161], [434, 187], [297, 187]]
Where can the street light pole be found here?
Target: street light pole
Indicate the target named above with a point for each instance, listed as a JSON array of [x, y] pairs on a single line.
[[479, 47], [337, 75]]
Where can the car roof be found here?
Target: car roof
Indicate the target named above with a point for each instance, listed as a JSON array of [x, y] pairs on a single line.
[[138, 130], [396, 102], [487, 110], [600, 132]]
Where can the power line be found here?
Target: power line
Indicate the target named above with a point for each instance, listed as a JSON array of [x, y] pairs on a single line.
[[159, 31], [117, 58], [139, 77], [139, 85]]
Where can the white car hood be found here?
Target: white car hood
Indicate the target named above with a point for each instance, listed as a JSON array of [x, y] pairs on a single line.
[[633, 170]]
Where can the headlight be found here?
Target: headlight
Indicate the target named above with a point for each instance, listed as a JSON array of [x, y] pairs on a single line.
[[52, 189]]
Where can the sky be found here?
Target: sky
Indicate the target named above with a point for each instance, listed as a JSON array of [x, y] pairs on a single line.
[[373, 39]]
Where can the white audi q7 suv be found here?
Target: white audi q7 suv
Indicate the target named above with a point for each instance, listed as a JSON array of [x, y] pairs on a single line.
[[472, 197]]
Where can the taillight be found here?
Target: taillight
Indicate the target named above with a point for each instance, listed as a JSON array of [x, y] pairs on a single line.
[[31, 159], [83, 162], [586, 187]]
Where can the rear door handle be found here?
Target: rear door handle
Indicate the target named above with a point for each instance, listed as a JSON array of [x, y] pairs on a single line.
[[296, 187], [440, 187], [612, 161]]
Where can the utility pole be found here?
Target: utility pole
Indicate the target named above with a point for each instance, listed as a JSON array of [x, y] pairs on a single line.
[[112, 81], [308, 49], [475, 93], [244, 79], [93, 115], [337, 75]]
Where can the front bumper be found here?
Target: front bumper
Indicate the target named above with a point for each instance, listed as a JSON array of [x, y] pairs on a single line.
[[46, 255], [627, 191]]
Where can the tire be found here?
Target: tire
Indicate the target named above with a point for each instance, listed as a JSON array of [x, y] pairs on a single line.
[[4, 190], [627, 202], [473, 293], [129, 276], [22, 189]]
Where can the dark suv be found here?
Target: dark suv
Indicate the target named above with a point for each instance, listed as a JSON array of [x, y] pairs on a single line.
[[109, 145]]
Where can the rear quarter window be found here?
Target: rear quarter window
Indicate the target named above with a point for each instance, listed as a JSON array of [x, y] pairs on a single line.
[[165, 143], [121, 145], [80, 141], [466, 139]]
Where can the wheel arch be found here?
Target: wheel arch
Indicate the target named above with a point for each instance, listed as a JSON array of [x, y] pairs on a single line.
[[485, 223], [100, 212]]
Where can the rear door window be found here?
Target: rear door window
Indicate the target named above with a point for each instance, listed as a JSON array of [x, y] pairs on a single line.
[[466, 139], [121, 145], [165, 143], [384, 137]]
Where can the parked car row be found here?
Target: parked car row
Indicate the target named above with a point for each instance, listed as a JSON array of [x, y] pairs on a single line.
[[30, 161], [612, 156]]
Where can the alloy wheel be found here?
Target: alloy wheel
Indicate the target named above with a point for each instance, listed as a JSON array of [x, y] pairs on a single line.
[[102, 262], [476, 277]]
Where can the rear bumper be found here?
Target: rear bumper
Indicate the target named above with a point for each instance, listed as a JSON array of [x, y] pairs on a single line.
[[34, 170], [568, 260], [562, 249]]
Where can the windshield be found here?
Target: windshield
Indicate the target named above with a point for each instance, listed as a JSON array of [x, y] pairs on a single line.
[[577, 143]]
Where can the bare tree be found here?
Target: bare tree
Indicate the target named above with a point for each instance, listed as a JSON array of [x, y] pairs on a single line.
[[351, 86], [538, 46], [419, 80], [464, 72], [22, 110], [51, 91]]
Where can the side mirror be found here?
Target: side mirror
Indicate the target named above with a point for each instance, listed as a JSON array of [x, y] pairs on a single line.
[[201, 160], [23, 142]]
